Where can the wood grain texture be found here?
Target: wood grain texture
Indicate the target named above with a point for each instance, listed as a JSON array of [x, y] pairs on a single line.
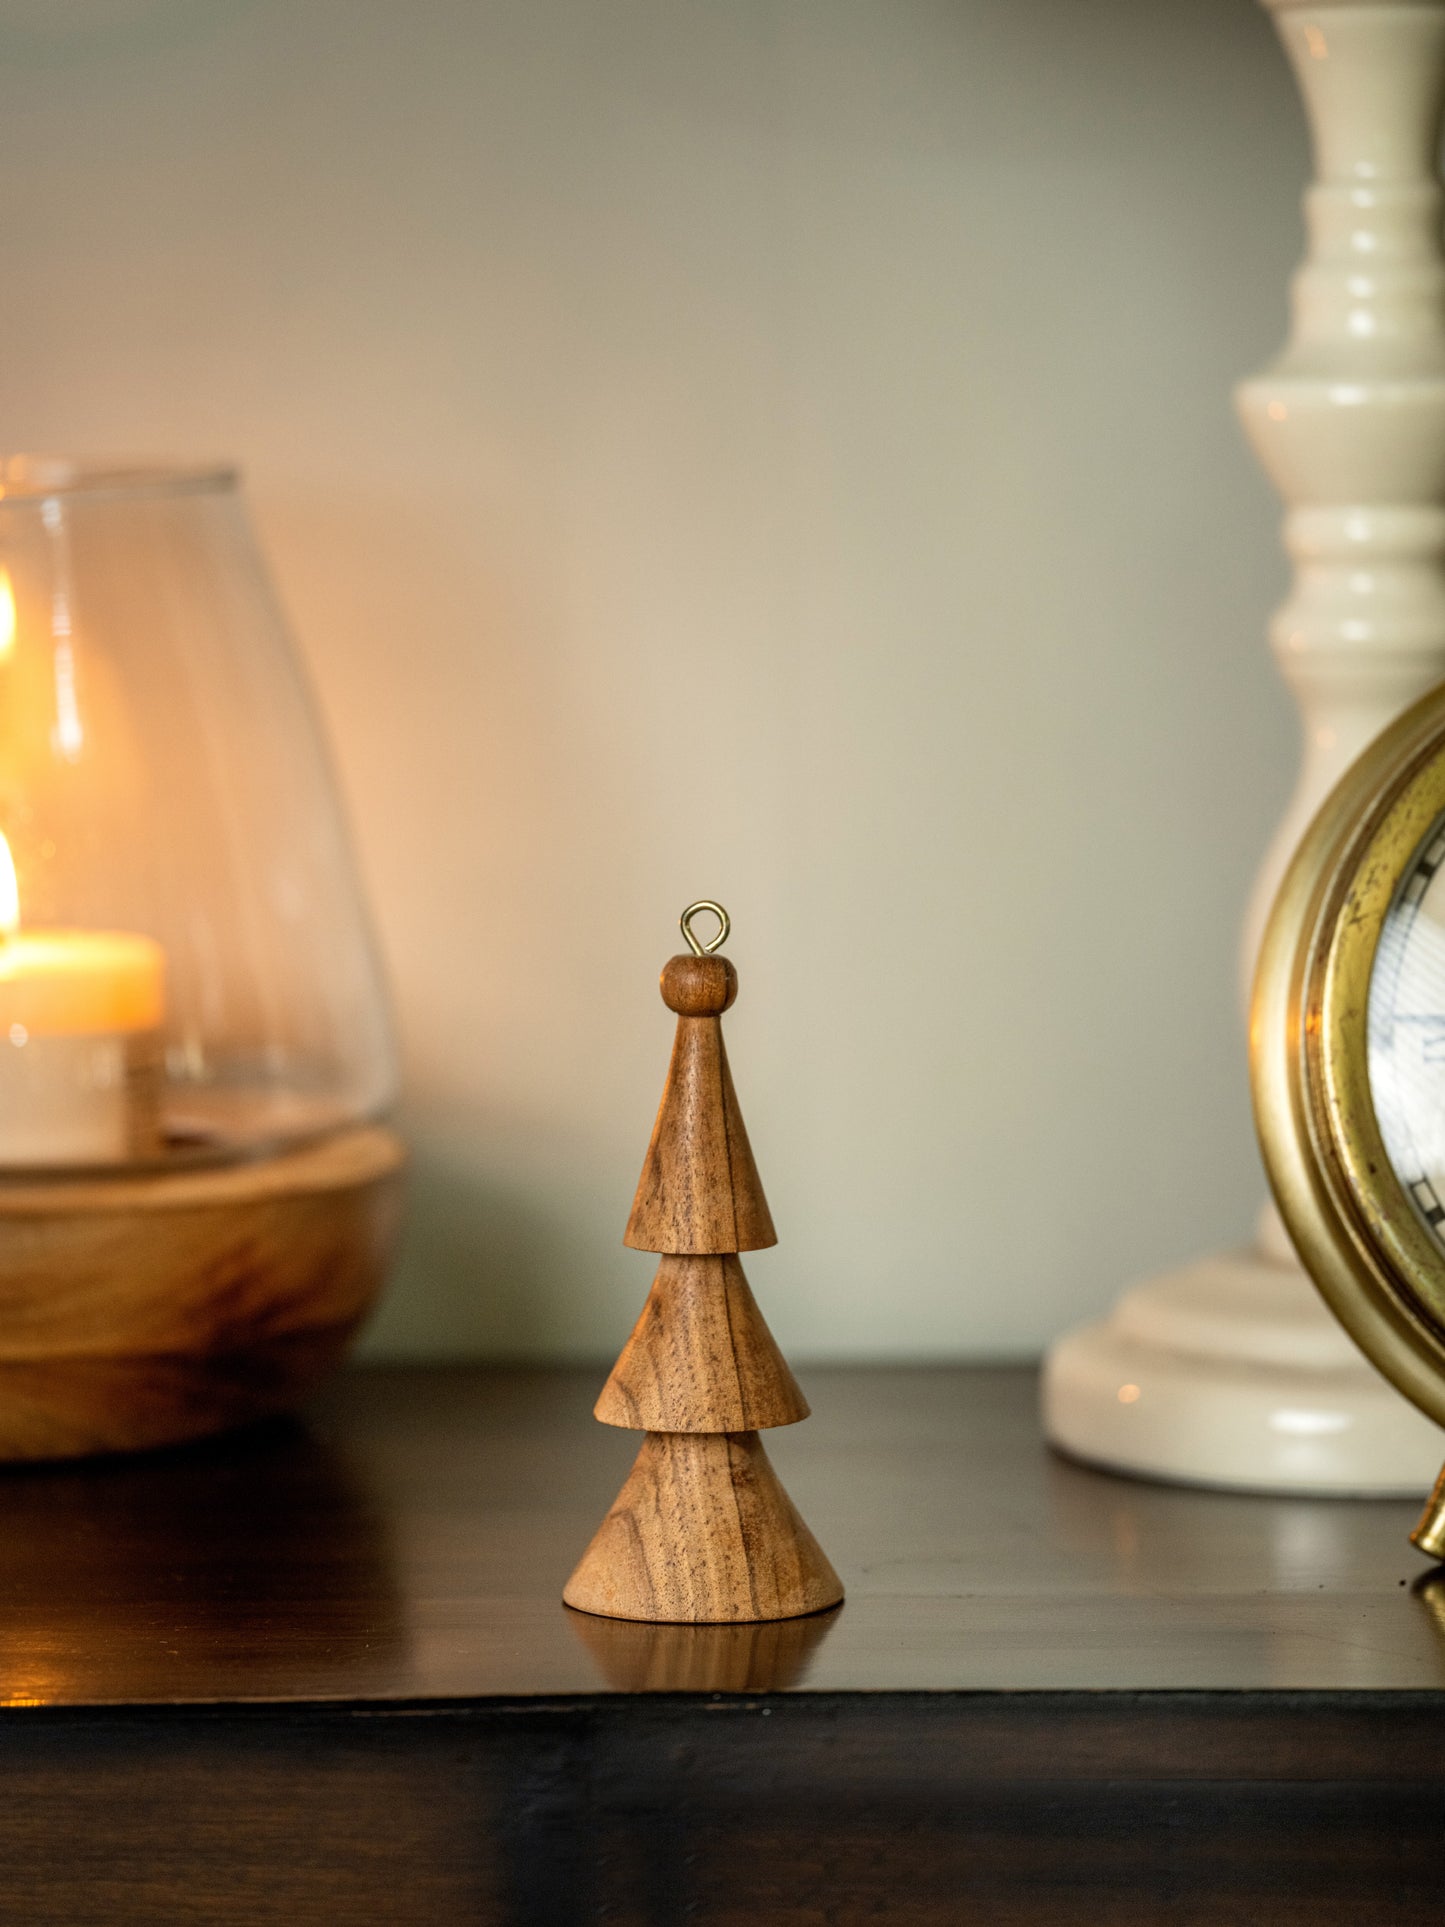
[[874, 1809], [701, 1358], [699, 1191], [141, 1311], [315, 1676], [409, 1544], [699, 986], [703, 1532]]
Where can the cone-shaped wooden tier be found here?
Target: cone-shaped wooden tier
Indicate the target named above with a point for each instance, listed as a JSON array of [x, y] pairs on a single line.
[[702, 1532], [700, 1358], [699, 1190]]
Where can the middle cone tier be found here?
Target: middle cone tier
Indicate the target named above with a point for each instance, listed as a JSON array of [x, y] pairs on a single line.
[[701, 1358]]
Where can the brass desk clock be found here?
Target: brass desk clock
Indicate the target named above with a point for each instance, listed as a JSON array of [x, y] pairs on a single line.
[[1347, 1046]]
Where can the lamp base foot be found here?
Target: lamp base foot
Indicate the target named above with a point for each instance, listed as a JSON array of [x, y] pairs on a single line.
[[1233, 1373]]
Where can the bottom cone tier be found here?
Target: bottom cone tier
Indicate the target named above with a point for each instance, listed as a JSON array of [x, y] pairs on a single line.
[[703, 1533]]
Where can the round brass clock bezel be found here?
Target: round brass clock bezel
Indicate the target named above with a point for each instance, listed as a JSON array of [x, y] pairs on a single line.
[[1360, 1236]]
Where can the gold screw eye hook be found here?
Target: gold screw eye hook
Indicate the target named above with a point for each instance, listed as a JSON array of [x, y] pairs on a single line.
[[724, 925]]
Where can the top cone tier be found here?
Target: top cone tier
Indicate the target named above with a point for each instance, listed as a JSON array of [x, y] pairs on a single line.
[[699, 1192]]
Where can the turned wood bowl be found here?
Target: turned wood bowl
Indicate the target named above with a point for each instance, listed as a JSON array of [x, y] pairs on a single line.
[[138, 1311]]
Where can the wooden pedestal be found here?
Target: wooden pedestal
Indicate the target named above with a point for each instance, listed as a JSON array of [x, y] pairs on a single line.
[[140, 1311]]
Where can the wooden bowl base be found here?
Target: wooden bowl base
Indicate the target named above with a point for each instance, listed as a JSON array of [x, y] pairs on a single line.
[[142, 1311]]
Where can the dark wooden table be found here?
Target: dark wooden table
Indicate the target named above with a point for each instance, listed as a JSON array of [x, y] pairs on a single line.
[[321, 1673]]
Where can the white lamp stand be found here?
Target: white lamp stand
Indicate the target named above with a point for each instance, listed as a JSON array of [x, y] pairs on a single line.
[[1232, 1372]]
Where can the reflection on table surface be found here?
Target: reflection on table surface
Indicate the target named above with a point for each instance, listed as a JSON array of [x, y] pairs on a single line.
[[169, 1574], [767, 1657], [412, 1538]]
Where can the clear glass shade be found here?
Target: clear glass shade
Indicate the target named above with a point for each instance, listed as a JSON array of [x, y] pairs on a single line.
[[185, 966]]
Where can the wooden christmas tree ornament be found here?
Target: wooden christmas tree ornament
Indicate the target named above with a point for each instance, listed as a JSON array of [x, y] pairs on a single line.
[[702, 1532]]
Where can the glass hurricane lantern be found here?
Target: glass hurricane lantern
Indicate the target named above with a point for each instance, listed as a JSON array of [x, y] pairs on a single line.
[[197, 1195]]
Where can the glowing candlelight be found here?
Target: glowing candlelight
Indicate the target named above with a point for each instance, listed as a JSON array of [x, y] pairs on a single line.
[[9, 892], [7, 616], [79, 1015]]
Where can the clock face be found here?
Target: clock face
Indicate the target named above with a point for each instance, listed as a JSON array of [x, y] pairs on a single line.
[[1406, 1035]]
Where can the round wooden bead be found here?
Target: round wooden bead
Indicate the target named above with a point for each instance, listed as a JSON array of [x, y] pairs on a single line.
[[699, 986]]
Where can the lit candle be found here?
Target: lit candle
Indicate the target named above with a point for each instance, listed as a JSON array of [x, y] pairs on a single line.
[[80, 1016], [7, 616]]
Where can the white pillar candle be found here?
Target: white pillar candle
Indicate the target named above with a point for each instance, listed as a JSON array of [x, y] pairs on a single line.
[[80, 1013]]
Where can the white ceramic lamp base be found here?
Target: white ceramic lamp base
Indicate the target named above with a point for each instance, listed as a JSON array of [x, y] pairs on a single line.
[[1232, 1372]]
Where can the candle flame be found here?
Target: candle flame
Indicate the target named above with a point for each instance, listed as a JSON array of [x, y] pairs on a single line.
[[7, 615], [9, 891]]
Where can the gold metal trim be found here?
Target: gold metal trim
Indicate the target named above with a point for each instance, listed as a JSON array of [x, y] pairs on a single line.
[[1357, 1232], [1338, 1044], [1429, 1530]]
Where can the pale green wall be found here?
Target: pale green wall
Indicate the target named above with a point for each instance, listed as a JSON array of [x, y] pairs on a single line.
[[779, 451]]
